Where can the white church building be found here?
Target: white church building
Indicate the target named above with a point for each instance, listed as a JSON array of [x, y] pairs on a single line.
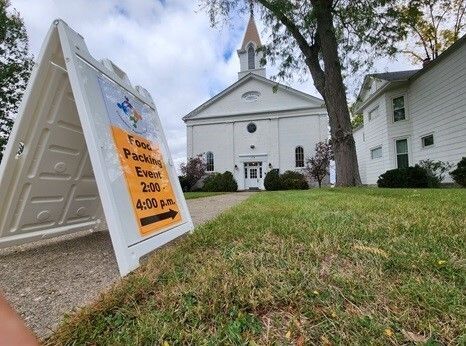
[[255, 124]]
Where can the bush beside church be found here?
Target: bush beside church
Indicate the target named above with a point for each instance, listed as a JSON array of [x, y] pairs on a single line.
[[290, 180], [220, 182]]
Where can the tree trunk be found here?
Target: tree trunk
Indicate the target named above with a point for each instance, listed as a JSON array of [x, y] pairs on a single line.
[[334, 94]]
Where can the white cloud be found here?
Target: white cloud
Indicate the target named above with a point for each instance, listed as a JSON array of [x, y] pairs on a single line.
[[168, 47]]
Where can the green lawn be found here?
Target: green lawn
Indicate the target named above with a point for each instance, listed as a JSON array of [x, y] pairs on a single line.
[[192, 195], [330, 266]]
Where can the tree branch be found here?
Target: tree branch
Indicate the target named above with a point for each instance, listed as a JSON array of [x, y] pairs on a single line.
[[311, 53]]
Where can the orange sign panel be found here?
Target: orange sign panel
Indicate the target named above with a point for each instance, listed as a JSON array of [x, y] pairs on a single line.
[[149, 185]]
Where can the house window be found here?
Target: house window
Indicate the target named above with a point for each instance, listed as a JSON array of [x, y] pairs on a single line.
[[251, 57], [399, 111], [427, 141], [376, 153], [299, 156], [210, 161], [374, 113], [402, 159]]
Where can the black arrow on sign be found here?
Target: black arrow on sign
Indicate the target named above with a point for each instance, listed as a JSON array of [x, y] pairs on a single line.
[[158, 217]]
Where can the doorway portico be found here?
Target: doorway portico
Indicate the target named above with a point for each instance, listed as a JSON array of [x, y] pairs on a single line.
[[252, 168]]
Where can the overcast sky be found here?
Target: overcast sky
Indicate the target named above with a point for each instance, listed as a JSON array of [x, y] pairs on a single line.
[[166, 46]]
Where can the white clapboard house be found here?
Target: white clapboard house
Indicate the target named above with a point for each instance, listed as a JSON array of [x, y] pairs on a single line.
[[413, 115], [255, 124]]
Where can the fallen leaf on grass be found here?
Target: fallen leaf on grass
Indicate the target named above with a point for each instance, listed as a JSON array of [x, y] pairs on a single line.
[[288, 334], [388, 332], [414, 337]]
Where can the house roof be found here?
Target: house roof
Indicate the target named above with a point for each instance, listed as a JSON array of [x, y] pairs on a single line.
[[251, 34], [395, 76], [244, 80]]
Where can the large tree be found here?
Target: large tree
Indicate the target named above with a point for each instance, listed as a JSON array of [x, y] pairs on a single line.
[[432, 26], [15, 68], [325, 38]]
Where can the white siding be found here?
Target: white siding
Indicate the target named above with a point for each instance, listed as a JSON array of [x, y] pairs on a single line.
[[217, 138], [359, 139], [438, 106], [375, 133], [300, 131]]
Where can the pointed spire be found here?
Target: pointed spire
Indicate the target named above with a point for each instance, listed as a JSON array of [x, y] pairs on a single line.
[[251, 34]]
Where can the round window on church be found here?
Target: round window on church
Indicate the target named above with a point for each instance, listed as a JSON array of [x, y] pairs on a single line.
[[252, 127]]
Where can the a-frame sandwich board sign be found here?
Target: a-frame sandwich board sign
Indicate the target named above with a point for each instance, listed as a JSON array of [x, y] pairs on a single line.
[[92, 154]]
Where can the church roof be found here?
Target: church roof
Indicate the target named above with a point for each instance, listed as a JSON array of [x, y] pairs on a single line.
[[314, 101], [251, 34]]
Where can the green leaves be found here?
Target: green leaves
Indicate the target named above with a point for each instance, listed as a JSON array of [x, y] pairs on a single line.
[[15, 67], [431, 26]]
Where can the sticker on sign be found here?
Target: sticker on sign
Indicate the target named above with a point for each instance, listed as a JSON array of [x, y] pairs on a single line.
[[95, 156]]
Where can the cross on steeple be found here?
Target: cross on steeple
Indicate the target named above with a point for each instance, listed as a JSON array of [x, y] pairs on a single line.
[[251, 8]]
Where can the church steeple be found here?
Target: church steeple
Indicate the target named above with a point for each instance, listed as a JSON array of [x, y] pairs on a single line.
[[248, 55]]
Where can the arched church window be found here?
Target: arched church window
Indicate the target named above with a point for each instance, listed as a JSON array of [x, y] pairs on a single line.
[[210, 161], [299, 156], [251, 57]]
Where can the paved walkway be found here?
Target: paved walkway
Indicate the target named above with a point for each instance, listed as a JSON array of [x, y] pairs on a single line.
[[47, 279]]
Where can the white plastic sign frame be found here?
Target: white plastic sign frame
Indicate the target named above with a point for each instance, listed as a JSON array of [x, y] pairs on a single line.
[[87, 144]]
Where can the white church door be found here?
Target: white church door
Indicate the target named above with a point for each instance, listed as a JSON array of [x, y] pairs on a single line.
[[253, 175]]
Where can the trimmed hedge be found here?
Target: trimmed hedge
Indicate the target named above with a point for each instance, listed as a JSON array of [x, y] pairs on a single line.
[[290, 180], [459, 174], [272, 180], [410, 177], [219, 182], [184, 182]]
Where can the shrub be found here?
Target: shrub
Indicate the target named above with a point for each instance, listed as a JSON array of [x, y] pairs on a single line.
[[184, 182], [228, 182], [436, 171], [272, 180], [218, 182], [212, 182], [411, 177], [193, 170], [459, 174], [291, 180], [317, 167], [392, 178]]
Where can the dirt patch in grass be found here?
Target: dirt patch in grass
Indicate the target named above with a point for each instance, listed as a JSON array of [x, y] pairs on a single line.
[[330, 266]]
